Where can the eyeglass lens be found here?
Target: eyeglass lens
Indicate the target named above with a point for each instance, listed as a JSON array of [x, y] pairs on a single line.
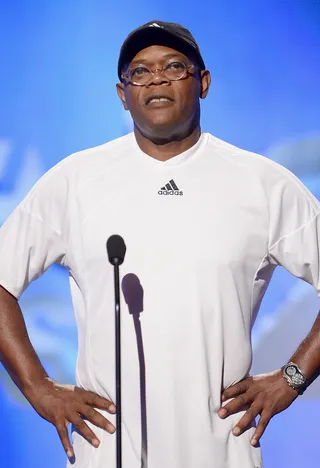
[[173, 71]]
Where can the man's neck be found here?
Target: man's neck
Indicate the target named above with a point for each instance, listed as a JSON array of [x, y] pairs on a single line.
[[167, 150]]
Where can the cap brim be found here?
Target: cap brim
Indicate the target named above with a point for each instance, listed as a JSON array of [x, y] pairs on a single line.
[[146, 37]]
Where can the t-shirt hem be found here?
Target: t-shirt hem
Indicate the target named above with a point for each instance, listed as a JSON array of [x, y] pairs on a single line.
[[11, 290]]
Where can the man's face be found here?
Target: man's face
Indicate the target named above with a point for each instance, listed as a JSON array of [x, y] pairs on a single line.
[[179, 107]]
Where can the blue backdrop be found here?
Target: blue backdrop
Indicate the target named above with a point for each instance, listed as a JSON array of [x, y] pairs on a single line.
[[57, 96]]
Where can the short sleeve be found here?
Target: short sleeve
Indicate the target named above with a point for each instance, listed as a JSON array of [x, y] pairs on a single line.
[[299, 252], [33, 237], [28, 248], [295, 230]]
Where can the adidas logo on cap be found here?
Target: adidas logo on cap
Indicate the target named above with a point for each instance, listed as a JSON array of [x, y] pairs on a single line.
[[170, 188]]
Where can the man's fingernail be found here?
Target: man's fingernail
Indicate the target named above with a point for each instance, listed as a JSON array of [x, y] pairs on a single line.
[[236, 431], [222, 413], [69, 453], [223, 398], [112, 409], [95, 443], [111, 428], [254, 441]]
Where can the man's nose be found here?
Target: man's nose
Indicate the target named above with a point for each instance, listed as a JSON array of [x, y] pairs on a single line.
[[158, 78]]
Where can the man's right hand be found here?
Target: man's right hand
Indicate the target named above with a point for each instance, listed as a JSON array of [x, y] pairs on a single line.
[[64, 404]]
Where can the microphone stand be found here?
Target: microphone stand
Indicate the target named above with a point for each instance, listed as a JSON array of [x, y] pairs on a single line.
[[116, 249], [118, 362]]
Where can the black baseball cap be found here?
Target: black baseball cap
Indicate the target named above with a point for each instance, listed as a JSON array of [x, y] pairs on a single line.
[[156, 32]]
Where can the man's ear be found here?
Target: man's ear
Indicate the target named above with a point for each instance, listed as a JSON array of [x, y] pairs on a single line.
[[121, 94], [205, 81]]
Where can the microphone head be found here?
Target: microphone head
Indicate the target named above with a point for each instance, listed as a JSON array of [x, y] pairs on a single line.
[[116, 249]]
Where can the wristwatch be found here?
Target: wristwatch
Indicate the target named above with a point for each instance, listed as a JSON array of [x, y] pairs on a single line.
[[295, 377]]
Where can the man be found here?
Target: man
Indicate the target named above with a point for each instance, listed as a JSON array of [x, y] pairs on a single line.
[[205, 225]]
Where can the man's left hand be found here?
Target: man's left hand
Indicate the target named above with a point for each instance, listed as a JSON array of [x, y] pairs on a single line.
[[265, 395]]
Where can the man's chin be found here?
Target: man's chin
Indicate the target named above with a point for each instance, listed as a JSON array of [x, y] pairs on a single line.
[[162, 128], [161, 125], [161, 132]]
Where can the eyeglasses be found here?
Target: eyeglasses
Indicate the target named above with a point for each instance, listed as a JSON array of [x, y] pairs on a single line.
[[142, 75]]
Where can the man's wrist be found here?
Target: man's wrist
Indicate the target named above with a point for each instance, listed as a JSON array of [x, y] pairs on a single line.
[[29, 385]]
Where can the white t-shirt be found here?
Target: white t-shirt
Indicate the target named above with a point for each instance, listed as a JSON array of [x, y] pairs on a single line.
[[204, 232]]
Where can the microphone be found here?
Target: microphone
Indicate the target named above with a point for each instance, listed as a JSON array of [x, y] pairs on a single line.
[[116, 249]]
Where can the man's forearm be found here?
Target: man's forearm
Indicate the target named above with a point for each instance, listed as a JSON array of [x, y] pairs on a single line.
[[16, 351], [307, 356]]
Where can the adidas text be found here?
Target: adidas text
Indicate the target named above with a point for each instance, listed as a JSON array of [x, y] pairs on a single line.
[[170, 192]]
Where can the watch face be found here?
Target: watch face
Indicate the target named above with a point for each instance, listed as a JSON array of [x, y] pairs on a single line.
[[298, 379], [291, 370]]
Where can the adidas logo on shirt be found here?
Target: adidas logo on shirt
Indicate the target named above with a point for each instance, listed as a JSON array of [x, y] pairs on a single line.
[[170, 188]]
